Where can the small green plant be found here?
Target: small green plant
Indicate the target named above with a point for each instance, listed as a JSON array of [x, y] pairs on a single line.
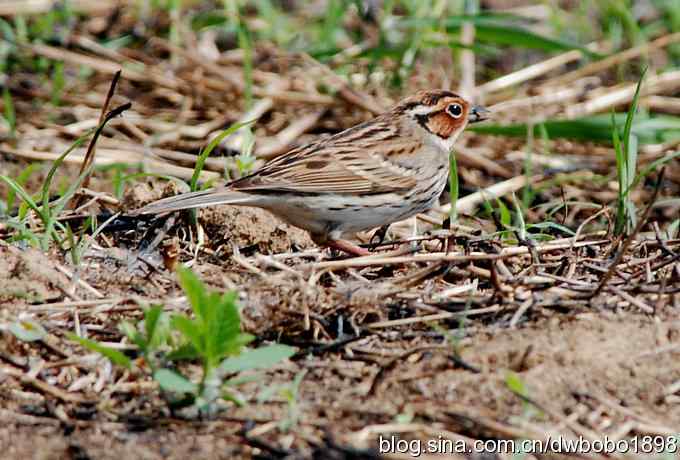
[[47, 212], [213, 337], [290, 393], [520, 229], [626, 151], [501, 216], [515, 384]]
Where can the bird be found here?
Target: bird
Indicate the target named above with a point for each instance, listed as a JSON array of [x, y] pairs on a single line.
[[384, 170]]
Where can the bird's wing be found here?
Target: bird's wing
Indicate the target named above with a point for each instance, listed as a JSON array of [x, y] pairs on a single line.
[[361, 160]]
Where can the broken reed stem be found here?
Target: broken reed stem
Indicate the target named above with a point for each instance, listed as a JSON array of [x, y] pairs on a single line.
[[599, 66], [442, 256], [89, 155], [108, 117]]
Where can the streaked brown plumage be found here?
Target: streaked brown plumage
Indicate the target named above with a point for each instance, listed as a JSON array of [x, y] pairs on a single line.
[[381, 171]]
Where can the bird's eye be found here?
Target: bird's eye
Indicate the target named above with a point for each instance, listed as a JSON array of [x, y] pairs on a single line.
[[455, 110]]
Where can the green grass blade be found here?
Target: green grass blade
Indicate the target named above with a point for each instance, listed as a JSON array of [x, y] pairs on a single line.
[[21, 179], [619, 220], [19, 190], [524, 38], [633, 108], [626, 150], [203, 156], [631, 142], [453, 186]]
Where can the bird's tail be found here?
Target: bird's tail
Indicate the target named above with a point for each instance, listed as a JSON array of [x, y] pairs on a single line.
[[195, 200]]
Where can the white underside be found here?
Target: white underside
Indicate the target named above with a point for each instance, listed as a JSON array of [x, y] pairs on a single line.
[[353, 214]]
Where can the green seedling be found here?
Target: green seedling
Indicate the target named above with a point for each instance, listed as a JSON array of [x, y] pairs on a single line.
[[213, 337], [626, 151], [291, 394], [47, 211]]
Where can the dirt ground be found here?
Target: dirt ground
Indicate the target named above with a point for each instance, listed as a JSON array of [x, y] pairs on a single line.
[[586, 369]]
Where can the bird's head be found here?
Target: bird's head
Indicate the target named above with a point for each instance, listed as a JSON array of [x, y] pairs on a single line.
[[442, 114]]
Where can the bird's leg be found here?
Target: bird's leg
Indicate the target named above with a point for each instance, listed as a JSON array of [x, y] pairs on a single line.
[[379, 235], [348, 247], [414, 222]]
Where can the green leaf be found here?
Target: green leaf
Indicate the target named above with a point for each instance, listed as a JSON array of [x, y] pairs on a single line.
[[626, 164], [131, 332], [115, 356], [224, 326], [520, 37], [50, 175], [259, 358], [27, 330], [515, 384], [195, 291], [216, 331], [185, 352], [596, 128], [631, 113], [170, 380], [191, 331], [630, 141], [554, 225], [151, 319], [505, 217]]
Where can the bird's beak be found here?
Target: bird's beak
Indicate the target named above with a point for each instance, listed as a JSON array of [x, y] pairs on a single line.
[[478, 113]]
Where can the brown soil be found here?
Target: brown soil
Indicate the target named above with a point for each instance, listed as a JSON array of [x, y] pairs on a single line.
[[598, 367]]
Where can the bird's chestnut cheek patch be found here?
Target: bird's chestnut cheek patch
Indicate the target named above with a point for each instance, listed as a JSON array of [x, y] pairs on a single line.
[[442, 124]]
